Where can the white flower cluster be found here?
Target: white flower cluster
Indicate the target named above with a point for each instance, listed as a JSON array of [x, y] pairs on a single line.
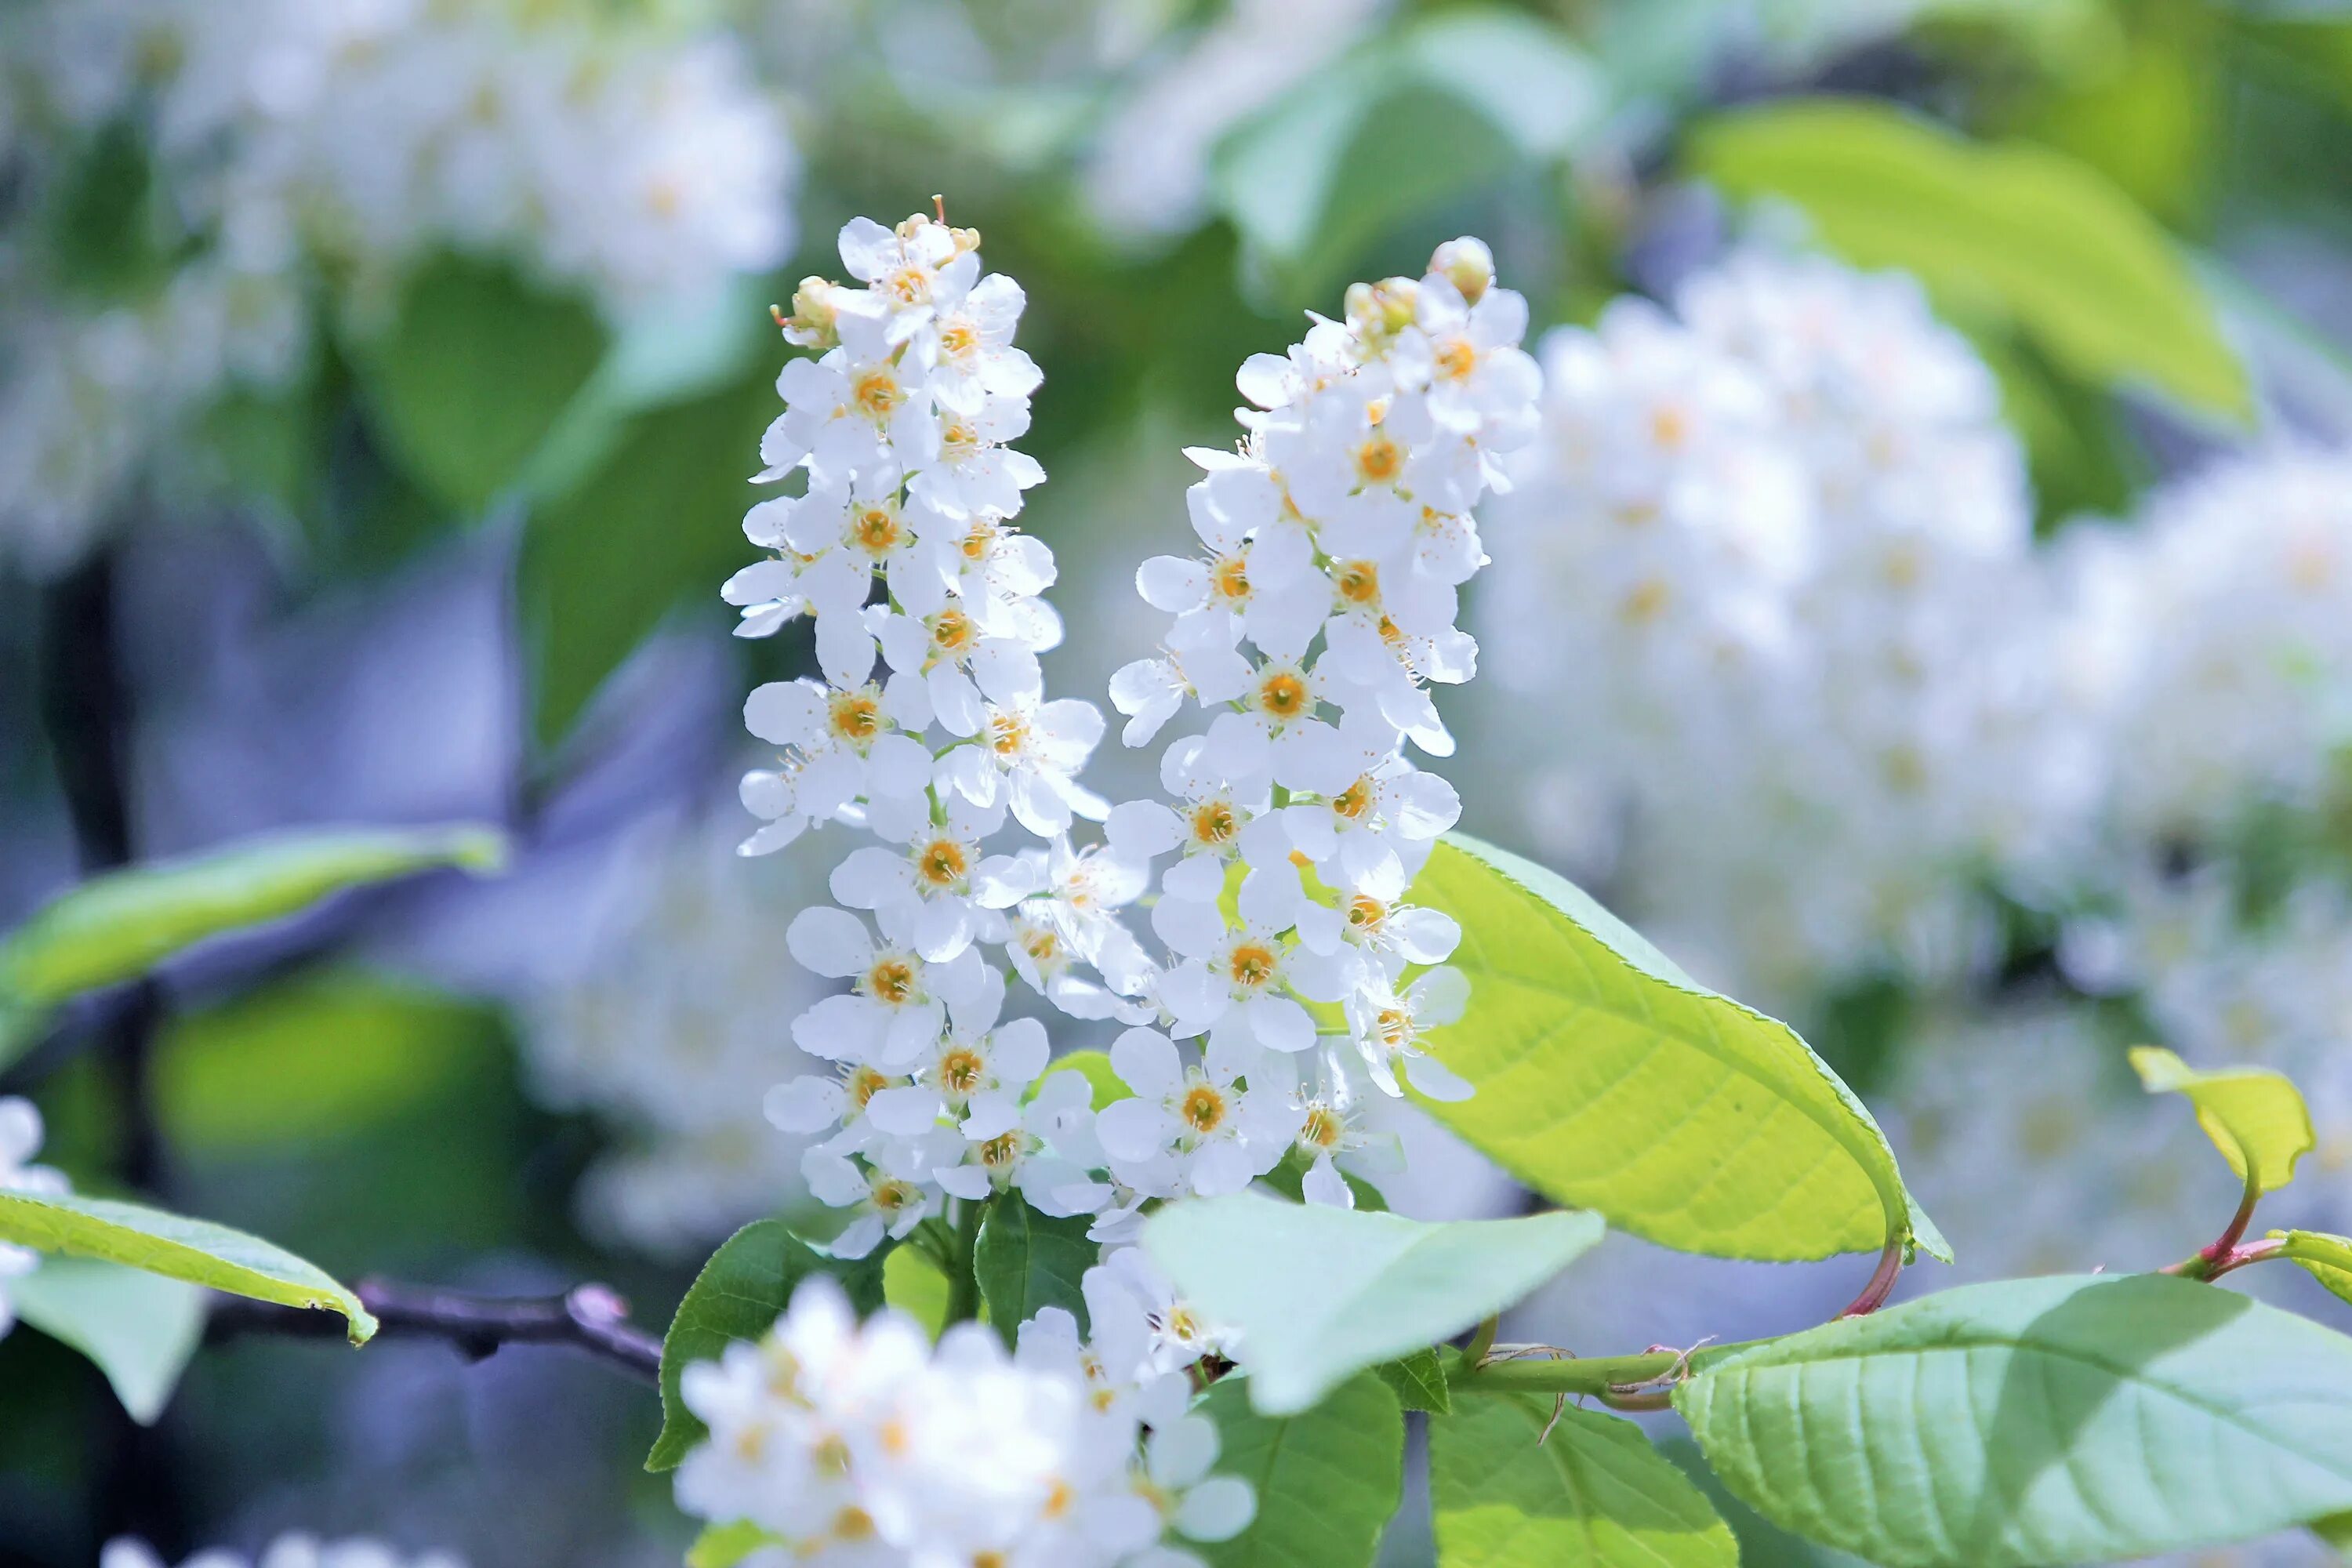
[[668, 1029], [863, 1444], [2228, 606], [1770, 573], [286, 1552], [20, 1140], [293, 140], [1335, 542]]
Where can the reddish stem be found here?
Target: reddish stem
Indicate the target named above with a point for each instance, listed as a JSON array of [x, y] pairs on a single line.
[[1880, 1283]]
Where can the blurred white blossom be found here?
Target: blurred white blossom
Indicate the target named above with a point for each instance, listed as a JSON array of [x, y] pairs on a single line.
[[20, 1140], [286, 1552]]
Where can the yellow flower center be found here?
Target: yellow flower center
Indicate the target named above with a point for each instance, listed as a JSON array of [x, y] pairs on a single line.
[[1379, 460], [1252, 963], [1229, 577], [1366, 914], [961, 1070], [978, 540], [892, 980], [952, 631], [1282, 694], [1323, 1129], [863, 1084], [1394, 1028], [854, 716], [877, 392], [1204, 1109], [1000, 1151], [875, 529], [943, 862], [853, 1523], [958, 338], [1008, 733], [909, 284], [1355, 800], [1646, 603], [1358, 582], [1456, 359], [1213, 822], [1669, 426], [891, 1194]]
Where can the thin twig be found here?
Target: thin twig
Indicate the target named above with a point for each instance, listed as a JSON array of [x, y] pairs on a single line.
[[591, 1319]]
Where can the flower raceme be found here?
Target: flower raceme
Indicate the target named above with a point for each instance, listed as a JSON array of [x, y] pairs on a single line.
[[844, 1442], [1290, 973]]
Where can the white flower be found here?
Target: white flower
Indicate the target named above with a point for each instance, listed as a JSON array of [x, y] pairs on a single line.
[[297, 1551], [1222, 1132], [1329, 1130], [845, 746], [891, 1193], [1387, 1026], [937, 885], [900, 1003]]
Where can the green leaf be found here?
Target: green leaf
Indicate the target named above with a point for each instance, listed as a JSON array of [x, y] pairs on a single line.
[[725, 1545], [1401, 126], [1027, 1260], [2016, 233], [139, 1329], [1318, 1293], [2326, 1258], [2077, 1419], [913, 1283], [2335, 1531], [656, 524], [1095, 1066], [1608, 1079], [196, 1250], [741, 1292], [469, 380], [320, 1058], [1418, 1380], [117, 926], [1327, 1479], [1591, 1494], [2254, 1115]]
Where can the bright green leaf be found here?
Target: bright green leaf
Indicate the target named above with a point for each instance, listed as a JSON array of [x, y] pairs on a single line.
[[741, 1292], [1418, 1380], [2015, 233], [194, 1250], [139, 1329], [1318, 1293], [1327, 1480], [2075, 1419], [725, 1545], [2254, 1115], [467, 385], [1591, 1494], [318, 1058], [912, 1282], [1095, 1066], [117, 926], [1027, 1260], [1608, 1079], [2326, 1258]]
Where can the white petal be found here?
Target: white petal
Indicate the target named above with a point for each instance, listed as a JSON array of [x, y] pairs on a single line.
[[832, 943]]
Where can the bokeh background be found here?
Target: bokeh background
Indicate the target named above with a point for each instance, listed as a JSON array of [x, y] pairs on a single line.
[[1927, 612]]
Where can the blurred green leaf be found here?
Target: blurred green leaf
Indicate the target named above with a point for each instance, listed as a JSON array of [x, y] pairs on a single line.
[[658, 523], [1027, 1260], [2013, 233], [741, 1292], [196, 1250], [1351, 1290], [724, 1545], [1408, 123], [913, 1283], [671, 353], [1327, 1479], [139, 1329], [472, 373], [119, 925], [311, 1060]]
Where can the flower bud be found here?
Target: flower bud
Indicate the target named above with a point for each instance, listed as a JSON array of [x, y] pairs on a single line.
[[1468, 264]]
